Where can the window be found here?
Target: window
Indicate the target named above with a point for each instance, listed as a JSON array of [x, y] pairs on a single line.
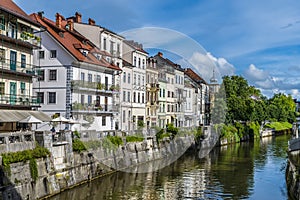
[[41, 54], [52, 53], [23, 61], [168, 108], [143, 64], [41, 75], [143, 80], [128, 96], [89, 100], [124, 77], [128, 78], [2, 22], [143, 98], [52, 75], [104, 43], [103, 121], [82, 99], [82, 76], [2, 55], [134, 97], [134, 61], [40, 97], [98, 79], [134, 79], [118, 49], [139, 80], [111, 47], [124, 96], [168, 93], [139, 97], [22, 88], [124, 116], [52, 97], [139, 62], [163, 92], [148, 78], [2, 88], [90, 78]]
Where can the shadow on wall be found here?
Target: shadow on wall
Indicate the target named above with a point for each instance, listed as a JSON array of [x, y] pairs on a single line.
[[7, 188]]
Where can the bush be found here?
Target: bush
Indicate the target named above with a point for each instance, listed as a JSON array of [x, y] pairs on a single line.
[[23, 156], [33, 169], [198, 134], [95, 144], [78, 146], [171, 129], [134, 138], [116, 140], [279, 126]]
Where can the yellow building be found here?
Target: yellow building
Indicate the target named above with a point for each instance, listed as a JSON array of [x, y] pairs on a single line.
[[17, 41]]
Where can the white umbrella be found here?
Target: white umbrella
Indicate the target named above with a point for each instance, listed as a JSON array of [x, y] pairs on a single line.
[[31, 120], [73, 121], [60, 119]]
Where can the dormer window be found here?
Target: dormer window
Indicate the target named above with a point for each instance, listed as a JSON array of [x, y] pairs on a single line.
[[61, 34]]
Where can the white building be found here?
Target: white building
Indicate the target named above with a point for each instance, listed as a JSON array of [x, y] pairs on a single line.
[[134, 91], [75, 79], [108, 42]]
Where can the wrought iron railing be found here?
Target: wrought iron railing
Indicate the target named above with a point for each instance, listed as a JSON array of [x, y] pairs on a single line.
[[20, 35], [96, 108]]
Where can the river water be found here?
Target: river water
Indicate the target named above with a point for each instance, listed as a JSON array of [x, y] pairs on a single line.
[[252, 170]]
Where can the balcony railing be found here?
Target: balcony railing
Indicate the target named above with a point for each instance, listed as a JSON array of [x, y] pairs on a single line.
[[94, 108], [13, 66], [95, 86], [18, 35], [18, 100]]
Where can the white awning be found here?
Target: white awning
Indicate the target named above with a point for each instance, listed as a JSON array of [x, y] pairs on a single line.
[[18, 115]]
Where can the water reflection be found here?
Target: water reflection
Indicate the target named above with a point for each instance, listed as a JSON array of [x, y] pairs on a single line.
[[242, 171]]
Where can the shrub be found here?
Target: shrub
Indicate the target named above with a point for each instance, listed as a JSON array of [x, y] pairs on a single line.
[[78, 146], [134, 138]]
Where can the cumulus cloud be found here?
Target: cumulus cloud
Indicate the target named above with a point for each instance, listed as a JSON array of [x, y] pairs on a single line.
[[206, 63], [255, 74]]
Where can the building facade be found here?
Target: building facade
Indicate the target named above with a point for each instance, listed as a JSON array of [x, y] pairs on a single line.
[[75, 79]]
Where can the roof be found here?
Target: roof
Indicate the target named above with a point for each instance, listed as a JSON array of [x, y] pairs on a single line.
[[194, 76], [135, 45], [11, 7], [18, 115], [160, 58], [73, 42]]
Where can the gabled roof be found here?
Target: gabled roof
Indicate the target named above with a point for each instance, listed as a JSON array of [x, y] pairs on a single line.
[[72, 41], [194, 76], [11, 7]]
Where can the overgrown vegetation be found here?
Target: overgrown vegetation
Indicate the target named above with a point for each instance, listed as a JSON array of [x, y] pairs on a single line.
[[134, 138], [279, 126], [198, 134], [94, 144], [23, 156], [112, 142], [78, 145]]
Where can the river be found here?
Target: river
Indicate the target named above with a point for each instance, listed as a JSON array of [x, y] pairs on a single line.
[[250, 170]]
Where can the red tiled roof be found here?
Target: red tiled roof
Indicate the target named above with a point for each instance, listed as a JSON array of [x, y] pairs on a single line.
[[194, 76], [72, 41], [11, 7]]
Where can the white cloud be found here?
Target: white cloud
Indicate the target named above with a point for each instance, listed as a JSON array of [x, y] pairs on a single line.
[[255, 74], [204, 64]]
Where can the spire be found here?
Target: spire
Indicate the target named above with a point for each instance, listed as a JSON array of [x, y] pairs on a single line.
[[213, 78]]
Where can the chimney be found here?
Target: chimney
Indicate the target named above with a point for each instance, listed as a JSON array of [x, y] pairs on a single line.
[[78, 17], [59, 19], [91, 21], [40, 14], [70, 24], [160, 54]]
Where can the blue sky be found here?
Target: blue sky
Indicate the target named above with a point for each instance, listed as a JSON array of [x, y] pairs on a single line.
[[257, 39]]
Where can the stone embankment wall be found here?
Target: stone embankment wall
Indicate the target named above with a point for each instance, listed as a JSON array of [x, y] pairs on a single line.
[[79, 168], [293, 175]]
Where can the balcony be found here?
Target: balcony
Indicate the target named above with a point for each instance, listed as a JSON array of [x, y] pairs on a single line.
[[8, 100], [98, 109], [25, 39], [13, 67], [95, 87]]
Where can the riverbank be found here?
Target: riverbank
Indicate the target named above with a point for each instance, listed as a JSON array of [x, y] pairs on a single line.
[[58, 173]]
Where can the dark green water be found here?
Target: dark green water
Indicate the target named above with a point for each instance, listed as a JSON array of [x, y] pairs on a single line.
[[243, 171]]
